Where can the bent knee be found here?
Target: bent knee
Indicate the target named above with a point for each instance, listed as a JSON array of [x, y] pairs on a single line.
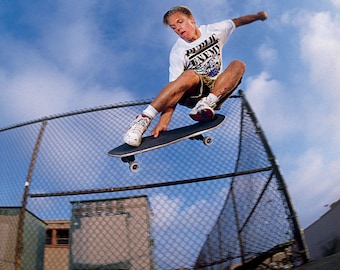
[[189, 76], [238, 65]]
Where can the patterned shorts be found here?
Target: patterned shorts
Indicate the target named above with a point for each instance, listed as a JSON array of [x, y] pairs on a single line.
[[203, 90]]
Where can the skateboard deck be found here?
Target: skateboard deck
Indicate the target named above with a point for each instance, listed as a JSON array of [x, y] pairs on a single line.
[[127, 152]]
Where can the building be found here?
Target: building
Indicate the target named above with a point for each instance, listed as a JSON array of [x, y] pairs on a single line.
[[56, 255], [323, 236], [33, 239], [111, 234]]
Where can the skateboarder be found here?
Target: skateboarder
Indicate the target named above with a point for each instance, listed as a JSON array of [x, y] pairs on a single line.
[[195, 73]]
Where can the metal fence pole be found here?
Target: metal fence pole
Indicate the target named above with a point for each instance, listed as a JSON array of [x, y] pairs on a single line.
[[20, 244], [300, 241]]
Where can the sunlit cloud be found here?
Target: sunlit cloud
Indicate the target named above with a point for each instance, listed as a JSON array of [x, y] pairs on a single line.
[[316, 183]]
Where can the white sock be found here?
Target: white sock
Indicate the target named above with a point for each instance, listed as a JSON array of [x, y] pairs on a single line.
[[150, 112], [212, 98]]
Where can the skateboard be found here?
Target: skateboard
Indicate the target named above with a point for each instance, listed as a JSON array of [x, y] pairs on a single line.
[[127, 153]]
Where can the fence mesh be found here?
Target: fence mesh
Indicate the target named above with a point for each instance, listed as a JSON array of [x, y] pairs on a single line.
[[65, 204]]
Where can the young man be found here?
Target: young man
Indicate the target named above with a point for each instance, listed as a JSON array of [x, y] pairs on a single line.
[[196, 76]]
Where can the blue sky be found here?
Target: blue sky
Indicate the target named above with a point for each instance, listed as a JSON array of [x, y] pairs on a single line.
[[60, 56]]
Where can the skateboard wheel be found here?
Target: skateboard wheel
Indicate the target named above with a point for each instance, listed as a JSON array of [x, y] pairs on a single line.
[[134, 166], [207, 141]]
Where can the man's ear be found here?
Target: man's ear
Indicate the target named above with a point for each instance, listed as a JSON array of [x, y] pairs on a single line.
[[192, 19]]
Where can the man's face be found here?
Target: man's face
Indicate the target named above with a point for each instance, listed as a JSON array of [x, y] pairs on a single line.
[[184, 26]]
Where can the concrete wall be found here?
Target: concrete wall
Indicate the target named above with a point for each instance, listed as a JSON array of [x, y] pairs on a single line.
[[8, 236], [111, 232], [33, 239], [323, 236], [56, 257]]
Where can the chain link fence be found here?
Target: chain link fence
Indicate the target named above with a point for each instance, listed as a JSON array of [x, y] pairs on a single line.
[[65, 204]]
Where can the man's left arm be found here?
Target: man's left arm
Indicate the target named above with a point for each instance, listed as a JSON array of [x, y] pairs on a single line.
[[262, 15]]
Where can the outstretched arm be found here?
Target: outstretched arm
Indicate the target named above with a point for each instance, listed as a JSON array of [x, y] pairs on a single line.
[[262, 15]]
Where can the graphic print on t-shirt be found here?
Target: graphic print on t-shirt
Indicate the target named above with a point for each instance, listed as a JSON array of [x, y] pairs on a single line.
[[205, 58]]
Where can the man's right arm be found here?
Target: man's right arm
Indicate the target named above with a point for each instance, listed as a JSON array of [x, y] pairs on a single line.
[[163, 122]]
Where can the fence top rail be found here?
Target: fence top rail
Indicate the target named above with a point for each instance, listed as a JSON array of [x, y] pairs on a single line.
[[83, 111], [86, 110]]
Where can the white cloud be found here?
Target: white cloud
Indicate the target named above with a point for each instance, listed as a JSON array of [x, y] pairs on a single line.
[[173, 216], [336, 3], [316, 183], [32, 92], [320, 51], [304, 107], [165, 210], [169, 212], [65, 68], [71, 39], [267, 54], [314, 176], [42, 90], [269, 102]]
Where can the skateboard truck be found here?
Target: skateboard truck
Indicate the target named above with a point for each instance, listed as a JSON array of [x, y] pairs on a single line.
[[207, 140], [133, 165]]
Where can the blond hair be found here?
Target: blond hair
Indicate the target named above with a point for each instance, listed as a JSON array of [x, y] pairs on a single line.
[[173, 10]]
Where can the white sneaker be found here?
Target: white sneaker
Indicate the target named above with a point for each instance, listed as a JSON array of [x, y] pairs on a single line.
[[203, 111], [133, 136]]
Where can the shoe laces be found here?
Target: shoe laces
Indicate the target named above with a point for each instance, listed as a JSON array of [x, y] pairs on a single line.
[[208, 102], [204, 102], [140, 123]]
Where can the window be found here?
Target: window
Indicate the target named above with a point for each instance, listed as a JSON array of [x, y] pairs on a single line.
[[48, 240], [57, 237], [62, 237]]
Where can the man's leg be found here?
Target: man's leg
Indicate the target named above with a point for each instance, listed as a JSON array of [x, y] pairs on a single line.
[[167, 98], [229, 79], [222, 89]]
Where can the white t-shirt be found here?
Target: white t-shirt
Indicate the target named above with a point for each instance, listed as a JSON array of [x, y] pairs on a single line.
[[203, 55]]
